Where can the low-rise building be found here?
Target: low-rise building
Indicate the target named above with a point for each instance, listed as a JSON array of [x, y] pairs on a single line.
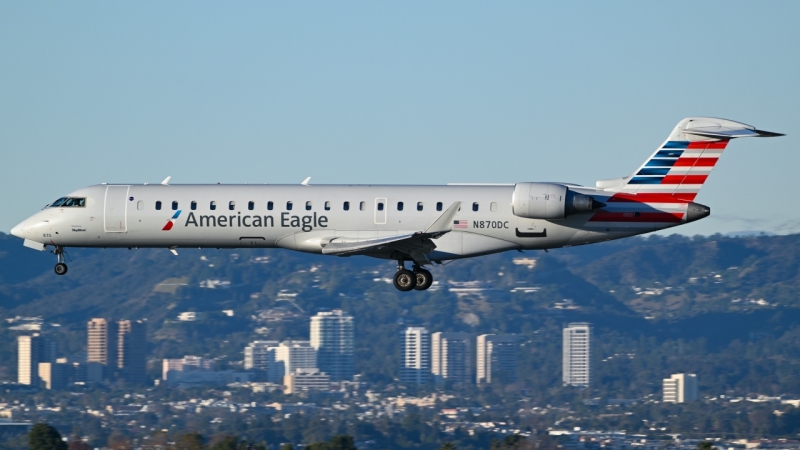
[[186, 364], [306, 379]]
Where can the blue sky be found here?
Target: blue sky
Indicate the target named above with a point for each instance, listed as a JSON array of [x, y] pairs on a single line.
[[403, 92]]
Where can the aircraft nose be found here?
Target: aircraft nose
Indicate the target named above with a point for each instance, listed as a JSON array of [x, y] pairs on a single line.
[[18, 231]]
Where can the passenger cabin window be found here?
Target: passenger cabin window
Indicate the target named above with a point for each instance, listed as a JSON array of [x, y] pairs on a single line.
[[327, 206], [361, 206], [493, 206], [419, 206], [380, 206], [140, 205], [399, 206], [288, 206], [158, 205], [346, 206], [67, 202], [231, 205], [251, 205], [438, 206], [269, 206], [308, 206], [193, 205], [213, 205], [174, 205], [475, 206]]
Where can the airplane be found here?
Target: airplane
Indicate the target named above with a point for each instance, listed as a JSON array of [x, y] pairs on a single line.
[[421, 225]]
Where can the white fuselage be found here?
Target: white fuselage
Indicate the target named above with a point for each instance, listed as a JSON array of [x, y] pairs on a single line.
[[304, 217]]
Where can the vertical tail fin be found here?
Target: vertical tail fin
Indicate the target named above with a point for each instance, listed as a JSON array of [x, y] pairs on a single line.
[[680, 166]]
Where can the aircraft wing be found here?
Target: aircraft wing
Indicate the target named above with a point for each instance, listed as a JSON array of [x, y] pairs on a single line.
[[415, 245]]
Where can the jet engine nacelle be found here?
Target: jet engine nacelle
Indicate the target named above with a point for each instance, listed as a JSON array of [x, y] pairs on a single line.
[[550, 201]]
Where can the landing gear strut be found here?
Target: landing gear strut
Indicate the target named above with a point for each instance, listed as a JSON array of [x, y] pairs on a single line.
[[61, 266], [406, 280]]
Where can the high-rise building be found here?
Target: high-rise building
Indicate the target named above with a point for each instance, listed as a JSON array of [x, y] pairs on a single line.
[[132, 351], [451, 357], [332, 337], [121, 347], [415, 365], [291, 356], [55, 375], [259, 354], [577, 354], [102, 346], [496, 358], [680, 388], [32, 350]]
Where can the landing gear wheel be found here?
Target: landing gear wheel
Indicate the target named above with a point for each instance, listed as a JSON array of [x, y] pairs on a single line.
[[424, 279], [61, 269], [405, 280], [61, 266]]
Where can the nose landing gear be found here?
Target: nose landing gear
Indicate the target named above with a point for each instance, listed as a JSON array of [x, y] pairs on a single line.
[[406, 280], [61, 266]]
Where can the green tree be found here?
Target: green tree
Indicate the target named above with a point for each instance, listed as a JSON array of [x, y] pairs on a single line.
[[705, 445], [190, 441], [229, 443], [448, 446], [287, 446], [318, 446], [342, 442], [44, 437], [513, 441]]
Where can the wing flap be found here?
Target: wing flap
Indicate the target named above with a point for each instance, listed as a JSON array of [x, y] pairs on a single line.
[[342, 246], [416, 245]]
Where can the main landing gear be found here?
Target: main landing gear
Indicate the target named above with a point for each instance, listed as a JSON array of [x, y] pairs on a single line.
[[61, 266], [407, 280]]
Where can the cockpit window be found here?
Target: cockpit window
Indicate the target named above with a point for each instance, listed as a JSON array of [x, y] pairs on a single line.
[[66, 202]]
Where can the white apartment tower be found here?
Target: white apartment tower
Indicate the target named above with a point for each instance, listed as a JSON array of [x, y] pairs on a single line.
[[415, 364], [680, 388], [332, 337], [293, 355], [577, 354], [259, 355], [451, 357], [497, 357], [32, 350]]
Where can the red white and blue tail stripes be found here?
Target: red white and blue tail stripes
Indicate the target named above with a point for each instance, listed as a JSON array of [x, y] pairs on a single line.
[[678, 170], [660, 191]]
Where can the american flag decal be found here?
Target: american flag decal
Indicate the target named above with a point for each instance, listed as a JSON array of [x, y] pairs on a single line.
[[460, 224]]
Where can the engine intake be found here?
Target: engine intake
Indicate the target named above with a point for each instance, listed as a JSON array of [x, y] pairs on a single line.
[[550, 201]]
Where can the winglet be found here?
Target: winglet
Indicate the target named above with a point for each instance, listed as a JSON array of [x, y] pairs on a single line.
[[166, 181], [305, 182], [444, 223]]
